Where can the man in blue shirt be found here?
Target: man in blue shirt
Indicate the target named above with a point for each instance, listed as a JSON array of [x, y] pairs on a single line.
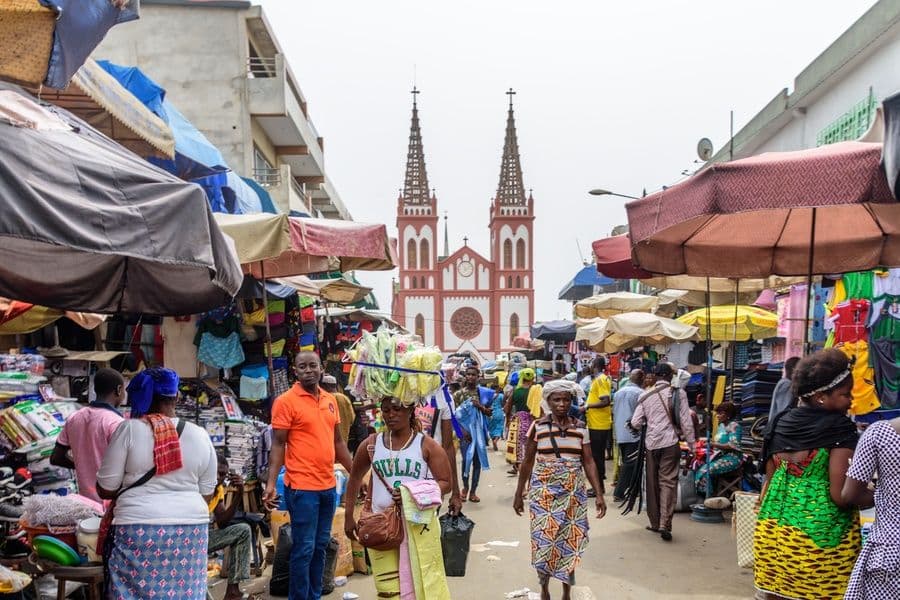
[[624, 402]]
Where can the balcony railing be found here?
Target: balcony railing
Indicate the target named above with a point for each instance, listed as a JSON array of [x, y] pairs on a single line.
[[303, 196], [267, 177], [260, 67]]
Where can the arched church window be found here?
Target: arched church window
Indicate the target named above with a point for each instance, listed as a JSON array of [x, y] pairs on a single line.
[[513, 327], [412, 259], [414, 283], [422, 282], [520, 255], [518, 282], [425, 257], [420, 326], [507, 254], [509, 282]]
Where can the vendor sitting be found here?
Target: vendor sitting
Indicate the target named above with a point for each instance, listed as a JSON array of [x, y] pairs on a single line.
[[223, 534], [726, 446]]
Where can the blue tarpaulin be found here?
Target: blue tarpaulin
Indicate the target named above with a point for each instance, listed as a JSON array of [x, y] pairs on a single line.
[[582, 285], [80, 26], [265, 199], [195, 156]]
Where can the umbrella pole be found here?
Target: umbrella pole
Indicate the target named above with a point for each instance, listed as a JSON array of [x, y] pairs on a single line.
[[709, 388], [269, 362], [737, 284], [807, 344]]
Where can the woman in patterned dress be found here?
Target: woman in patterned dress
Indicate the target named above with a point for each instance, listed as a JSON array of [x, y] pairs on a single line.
[[877, 572], [727, 445], [557, 459], [807, 536], [162, 472]]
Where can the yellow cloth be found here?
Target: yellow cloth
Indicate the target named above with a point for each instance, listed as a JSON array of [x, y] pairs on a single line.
[[599, 418], [534, 400], [865, 398], [218, 496], [348, 415]]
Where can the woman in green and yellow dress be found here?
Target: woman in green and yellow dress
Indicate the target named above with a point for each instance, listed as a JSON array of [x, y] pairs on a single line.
[[807, 539]]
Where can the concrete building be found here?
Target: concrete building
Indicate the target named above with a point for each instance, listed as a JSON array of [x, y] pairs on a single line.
[[463, 300], [835, 97], [221, 66]]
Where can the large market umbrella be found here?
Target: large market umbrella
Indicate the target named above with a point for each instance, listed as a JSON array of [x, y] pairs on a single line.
[[584, 283], [559, 332], [88, 226], [732, 323], [605, 305], [23, 317], [628, 330], [811, 212]]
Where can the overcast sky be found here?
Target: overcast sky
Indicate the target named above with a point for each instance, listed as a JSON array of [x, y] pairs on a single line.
[[610, 94]]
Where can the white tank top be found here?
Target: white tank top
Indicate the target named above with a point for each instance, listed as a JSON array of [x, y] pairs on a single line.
[[396, 467]]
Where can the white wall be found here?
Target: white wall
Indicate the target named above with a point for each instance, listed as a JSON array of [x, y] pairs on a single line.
[[484, 277], [508, 306], [447, 275], [465, 282], [878, 70], [480, 303], [425, 306]]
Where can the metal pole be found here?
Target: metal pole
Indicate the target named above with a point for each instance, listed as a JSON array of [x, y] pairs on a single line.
[[262, 274], [807, 345], [709, 387], [737, 284]]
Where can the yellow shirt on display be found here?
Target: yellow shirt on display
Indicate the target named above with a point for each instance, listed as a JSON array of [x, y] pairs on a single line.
[[599, 418]]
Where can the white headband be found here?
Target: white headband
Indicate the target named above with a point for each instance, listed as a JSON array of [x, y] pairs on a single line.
[[830, 386]]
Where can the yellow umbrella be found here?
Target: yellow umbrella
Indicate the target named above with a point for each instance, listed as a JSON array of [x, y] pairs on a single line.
[[733, 323]]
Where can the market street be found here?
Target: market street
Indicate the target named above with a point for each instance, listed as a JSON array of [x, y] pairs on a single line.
[[622, 561]]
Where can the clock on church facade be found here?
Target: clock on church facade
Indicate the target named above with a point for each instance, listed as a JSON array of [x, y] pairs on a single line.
[[464, 299]]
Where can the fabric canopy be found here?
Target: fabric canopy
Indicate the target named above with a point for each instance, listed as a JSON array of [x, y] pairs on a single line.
[[628, 330], [745, 323], [359, 314], [339, 290], [23, 317], [97, 97], [605, 305], [763, 216], [88, 226], [271, 246], [560, 331], [613, 256], [584, 284]]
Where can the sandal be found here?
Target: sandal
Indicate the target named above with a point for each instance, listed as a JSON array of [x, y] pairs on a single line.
[[474, 498], [464, 495], [652, 529]]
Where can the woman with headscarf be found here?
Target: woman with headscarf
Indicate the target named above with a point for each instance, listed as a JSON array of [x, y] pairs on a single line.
[[807, 536], [161, 473], [525, 407], [557, 460]]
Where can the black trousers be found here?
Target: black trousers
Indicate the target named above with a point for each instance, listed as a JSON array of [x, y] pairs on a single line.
[[599, 439]]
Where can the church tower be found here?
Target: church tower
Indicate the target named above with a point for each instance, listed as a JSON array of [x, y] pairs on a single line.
[[512, 247], [415, 300]]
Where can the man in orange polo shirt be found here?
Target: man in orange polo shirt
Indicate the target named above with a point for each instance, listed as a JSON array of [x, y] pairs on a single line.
[[307, 440]]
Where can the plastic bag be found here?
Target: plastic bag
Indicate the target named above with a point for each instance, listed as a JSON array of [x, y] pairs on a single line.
[[456, 533], [281, 566], [12, 581]]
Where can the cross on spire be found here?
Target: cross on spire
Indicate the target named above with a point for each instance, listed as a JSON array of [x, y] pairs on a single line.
[[415, 184], [465, 240], [511, 93]]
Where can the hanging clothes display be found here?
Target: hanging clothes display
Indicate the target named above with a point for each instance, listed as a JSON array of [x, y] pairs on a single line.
[[179, 351], [865, 398]]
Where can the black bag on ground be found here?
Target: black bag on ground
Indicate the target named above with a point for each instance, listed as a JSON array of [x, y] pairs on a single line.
[[281, 565], [456, 533], [331, 553]]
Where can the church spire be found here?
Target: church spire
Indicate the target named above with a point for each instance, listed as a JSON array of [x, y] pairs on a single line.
[[415, 185], [510, 191], [446, 237]]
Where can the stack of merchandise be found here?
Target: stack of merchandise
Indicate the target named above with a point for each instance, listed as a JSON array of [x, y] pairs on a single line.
[[756, 398], [242, 442], [27, 422], [38, 425], [23, 363], [388, 349], [213, 421]]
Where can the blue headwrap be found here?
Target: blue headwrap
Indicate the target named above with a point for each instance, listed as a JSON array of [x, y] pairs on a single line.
[[514, 379], [146, 384]]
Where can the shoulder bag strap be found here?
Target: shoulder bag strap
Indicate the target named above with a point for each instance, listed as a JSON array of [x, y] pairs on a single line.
[[553, 439], [149, 474], [668, 413], [371, 450]]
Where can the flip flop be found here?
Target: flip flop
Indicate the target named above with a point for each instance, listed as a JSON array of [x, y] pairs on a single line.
[[474, 498]]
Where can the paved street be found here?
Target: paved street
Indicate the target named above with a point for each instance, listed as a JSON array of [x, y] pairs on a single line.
[[623, 561]]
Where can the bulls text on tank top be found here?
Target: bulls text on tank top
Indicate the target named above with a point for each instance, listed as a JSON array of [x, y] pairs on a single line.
[[396, 467]]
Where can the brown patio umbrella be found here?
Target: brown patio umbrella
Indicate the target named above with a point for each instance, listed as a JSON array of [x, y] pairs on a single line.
[[825, 210]]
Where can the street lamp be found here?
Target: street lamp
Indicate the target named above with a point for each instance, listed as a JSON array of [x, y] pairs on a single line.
[[602, 192]]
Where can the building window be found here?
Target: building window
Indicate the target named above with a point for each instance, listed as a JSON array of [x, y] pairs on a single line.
[[420, 326], [850, 125], [414, 282], [263, 172], [513, 327], [412, 260], [518, 282], [509, 282], [423, 282], [507, 254], [520, 255], [425, 256]]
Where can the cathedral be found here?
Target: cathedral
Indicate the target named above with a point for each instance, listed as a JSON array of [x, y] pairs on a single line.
[[464, 300]]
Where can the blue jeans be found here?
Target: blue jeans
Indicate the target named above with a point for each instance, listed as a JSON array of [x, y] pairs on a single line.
[[311, 516]]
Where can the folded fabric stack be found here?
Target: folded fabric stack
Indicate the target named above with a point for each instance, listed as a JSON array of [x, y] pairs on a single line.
[[756, 397], [47, 478]]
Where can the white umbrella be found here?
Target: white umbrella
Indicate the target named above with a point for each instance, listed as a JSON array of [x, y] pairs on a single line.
[[627, 330], [605, 305]]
